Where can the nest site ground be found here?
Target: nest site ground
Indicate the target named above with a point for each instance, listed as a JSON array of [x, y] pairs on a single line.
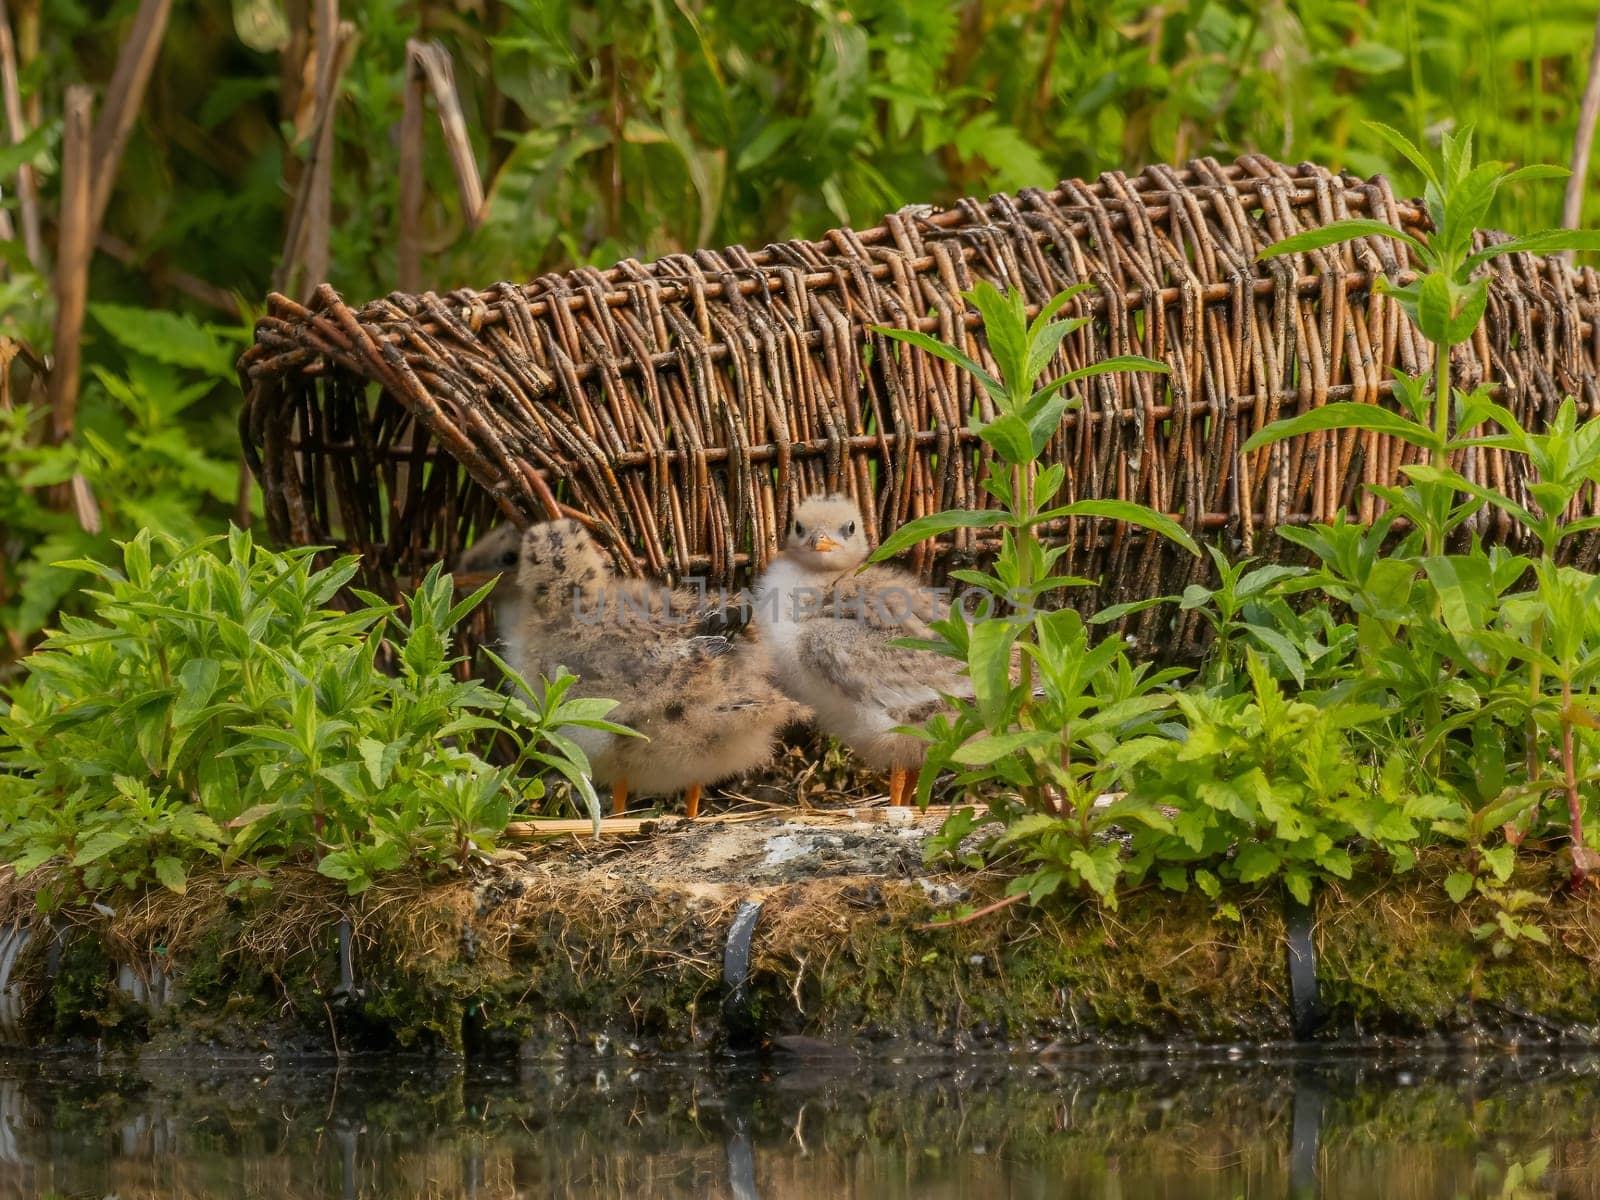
[[620, 945]]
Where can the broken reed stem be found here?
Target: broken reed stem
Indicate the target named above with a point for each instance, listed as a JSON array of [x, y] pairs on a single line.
[[72, 259], [16, 126], [434, 60], [124, 98]]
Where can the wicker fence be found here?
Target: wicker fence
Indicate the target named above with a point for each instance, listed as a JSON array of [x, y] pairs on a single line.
[[682, 406]]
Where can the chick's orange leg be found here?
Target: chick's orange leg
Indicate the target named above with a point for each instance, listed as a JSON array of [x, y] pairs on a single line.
[[899, 787], [691, 801], [619, 797]]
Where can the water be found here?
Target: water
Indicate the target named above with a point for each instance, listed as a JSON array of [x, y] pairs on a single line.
[[1349, 1126]]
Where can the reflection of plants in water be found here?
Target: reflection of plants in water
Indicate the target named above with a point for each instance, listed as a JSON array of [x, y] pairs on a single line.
[[1517, 1180], [983, 1128]]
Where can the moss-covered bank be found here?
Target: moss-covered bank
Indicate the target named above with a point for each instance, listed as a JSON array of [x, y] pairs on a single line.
[[623, 946]]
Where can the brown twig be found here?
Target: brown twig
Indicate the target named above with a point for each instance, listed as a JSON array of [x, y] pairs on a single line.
[[1582, 140], [72, 259], [970, 917], [1052, 38], [161, 275], [124, 97], [16, 125], [241, 504]]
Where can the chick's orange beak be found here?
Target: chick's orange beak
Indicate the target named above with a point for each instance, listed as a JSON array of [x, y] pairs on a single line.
[[822, 543]]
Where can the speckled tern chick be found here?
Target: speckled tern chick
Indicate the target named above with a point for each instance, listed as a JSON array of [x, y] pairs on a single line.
[[830, 632], [705, 700]]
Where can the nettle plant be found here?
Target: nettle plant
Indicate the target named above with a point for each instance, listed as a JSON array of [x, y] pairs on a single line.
[[1054, 719], [214, 709], [1486, 661]]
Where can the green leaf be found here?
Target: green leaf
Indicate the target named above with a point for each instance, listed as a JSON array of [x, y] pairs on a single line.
[[1174, 879], [1469, 204], [1406, 147], [1344, 415], [96, 847], [938, 349], [34, 150], [1011, 438], [1465, 588], [1458, 884], [1107, 366], [989, 666], [1550, 241], [1465, 323], [1005, 327], [1502, 861], [1255, 862], [766, 143], [1099, 868], [1282, 648], [923, 528], [1336, 232], [171, 875], [167, 337], [1044, 341], [1031, 826], [982, 751], [1127, 512], [1298, 880], [1433, 308], [197, 682]]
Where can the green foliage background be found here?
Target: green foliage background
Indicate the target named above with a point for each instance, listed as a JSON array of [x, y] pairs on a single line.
[[643, 127]]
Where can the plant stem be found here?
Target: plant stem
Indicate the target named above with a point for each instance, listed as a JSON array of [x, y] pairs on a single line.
[[1022, 491], [1535, 684], [1574, 803], [1438, 457]]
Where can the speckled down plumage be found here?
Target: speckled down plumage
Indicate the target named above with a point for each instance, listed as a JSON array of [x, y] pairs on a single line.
[[699, 688]]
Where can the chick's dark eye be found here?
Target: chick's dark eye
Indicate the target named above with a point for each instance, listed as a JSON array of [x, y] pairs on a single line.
[[508, 559], [849, 529], [799, 529]]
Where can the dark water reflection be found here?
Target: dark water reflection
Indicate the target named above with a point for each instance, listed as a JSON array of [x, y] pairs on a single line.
[[1336, 1126]]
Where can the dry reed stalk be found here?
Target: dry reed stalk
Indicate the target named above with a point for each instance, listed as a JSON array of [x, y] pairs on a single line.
[[319, 208], [75, 239], [1583, 141], [408, 238], [124, 98], [305, 247], [17, 127]]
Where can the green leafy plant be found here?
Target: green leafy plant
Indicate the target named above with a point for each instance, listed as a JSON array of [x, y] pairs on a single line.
[[214, 709], [1047, 709], [1250, 607], [1264, 787], [147, 450], [1444, 634]]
